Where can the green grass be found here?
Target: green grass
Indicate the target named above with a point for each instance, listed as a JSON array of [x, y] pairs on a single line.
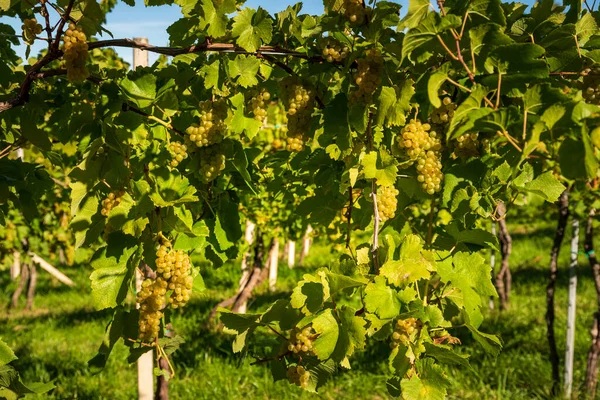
[[55, 341]]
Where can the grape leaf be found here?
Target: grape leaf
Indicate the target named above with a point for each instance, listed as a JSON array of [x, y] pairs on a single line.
[[252, 28]]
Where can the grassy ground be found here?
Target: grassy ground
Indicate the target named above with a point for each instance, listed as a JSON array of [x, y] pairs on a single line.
[[55, 341]]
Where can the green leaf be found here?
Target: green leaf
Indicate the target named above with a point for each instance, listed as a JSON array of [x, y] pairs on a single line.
[[240, 123], [113, 267], [415, 263], [394, 103], [431, 26], [6, 354], [381, 299], [252, 28], [140, 89], [214, 20], [417, 10], [472, 103], [310, 293], [172, 190], [381, 166], [429, 384], [327, 329], [490, 343], [546, 186], [435, 82], [519, 63], [445, 355], [470, 274], [31, 132], [245, 69]]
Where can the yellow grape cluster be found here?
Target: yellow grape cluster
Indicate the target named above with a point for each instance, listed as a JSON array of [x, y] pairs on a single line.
[[258, 105], [333, 50], [467, 145], [212, 162], [301, 340], [31, 29], [212, 126], [179, 153], [430, 172], [75, 54], [354, 11], [386, 202], [175, 268], [417, 138], [299, 101], [591, 86], [424, 147], [444, 114], [367, 76], [299, 376], [111, 201], [151, 299], [402, 331]]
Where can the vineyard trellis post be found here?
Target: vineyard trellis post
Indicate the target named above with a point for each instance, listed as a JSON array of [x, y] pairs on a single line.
[[572, 307], [145, 364], [273, 262]]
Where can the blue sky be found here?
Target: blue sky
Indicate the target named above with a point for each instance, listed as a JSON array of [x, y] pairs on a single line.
[[152, 22]]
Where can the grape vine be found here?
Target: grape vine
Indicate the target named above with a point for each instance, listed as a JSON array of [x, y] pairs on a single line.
[[394, 138]]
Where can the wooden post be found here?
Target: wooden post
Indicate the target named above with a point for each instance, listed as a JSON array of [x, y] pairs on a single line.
[[291, 253], [51, 269], [572, 306], [306, 242], [273, 264], [145, 364], [15, 268], [249, 237], [140, 57]]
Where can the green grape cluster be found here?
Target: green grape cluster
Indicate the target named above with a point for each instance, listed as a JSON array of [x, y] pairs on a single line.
[[75, 54], [430, 175], [403, 329], [299, 101], [354, 11], [367, 77], [175, 268], [212, 162], [444, 114], [111, 201], [591, 86], [299, 376], [424, 147], [417, 138], [258, 104], [333, 50], [387, 202], [301, 340], [467, 145], [179, 153], [151, 299], [31, 29], [212, 128]]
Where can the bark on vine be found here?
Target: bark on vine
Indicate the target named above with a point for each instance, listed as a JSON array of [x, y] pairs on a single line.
[[504, 277], [563, 216], [591, 375]]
